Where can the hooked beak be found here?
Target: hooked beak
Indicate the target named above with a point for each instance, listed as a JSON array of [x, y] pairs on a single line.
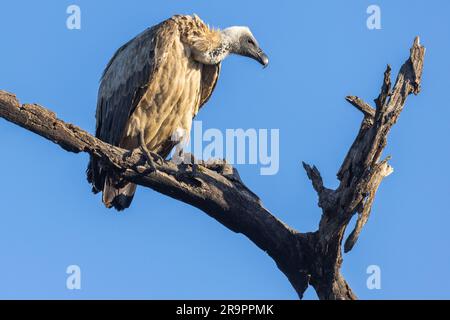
[[262, 58]]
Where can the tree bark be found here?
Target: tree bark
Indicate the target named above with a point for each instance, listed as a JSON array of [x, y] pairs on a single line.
[[312, 258]]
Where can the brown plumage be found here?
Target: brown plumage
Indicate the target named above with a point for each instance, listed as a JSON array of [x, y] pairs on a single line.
[[154, 86]]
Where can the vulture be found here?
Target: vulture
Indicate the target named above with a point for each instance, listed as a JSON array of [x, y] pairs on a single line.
[[153, 87]]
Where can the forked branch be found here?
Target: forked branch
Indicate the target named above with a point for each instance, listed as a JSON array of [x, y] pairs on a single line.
[[306, 259]]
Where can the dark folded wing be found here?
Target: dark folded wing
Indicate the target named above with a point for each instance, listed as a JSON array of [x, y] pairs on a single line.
[[210, 74], [127, 77]]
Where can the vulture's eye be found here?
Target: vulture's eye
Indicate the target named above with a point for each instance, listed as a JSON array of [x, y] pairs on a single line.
[[251, 42]]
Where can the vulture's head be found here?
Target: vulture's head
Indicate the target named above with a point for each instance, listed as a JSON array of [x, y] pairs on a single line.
[[241, 41]]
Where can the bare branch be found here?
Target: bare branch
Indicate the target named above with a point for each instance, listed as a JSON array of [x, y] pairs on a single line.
[[382, 170], [313, 258], [315, 177], [380, 102], [216, 188], [362, 106]]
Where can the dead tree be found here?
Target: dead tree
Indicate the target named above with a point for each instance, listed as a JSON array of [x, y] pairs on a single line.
[[312, 258]]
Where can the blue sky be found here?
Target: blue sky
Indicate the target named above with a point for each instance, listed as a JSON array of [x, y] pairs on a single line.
[[320, 51]]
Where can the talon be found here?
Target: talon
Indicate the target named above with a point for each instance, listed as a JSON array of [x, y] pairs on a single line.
[[149, 160], [159, 159], [147, 153]]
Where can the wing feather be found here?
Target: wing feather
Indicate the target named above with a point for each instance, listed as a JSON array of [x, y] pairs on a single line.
[[123, 83], [127, 77], [210, 75]]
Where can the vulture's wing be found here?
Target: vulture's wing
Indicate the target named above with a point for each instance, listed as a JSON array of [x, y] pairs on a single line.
[[210, 74], [126, 77]]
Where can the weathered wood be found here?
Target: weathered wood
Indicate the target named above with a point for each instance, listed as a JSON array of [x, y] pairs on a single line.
[[306, 259]]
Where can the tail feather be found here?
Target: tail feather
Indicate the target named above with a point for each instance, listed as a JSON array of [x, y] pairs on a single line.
[[119, 198], [116, 197]]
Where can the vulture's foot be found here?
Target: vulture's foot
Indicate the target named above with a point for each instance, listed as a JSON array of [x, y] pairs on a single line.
[[192, 161], [157, 158], [150, 161], [186, 159], [149, 155], [149, 158]]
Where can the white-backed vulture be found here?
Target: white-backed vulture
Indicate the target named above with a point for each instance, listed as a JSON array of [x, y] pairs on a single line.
[[153, 87]]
